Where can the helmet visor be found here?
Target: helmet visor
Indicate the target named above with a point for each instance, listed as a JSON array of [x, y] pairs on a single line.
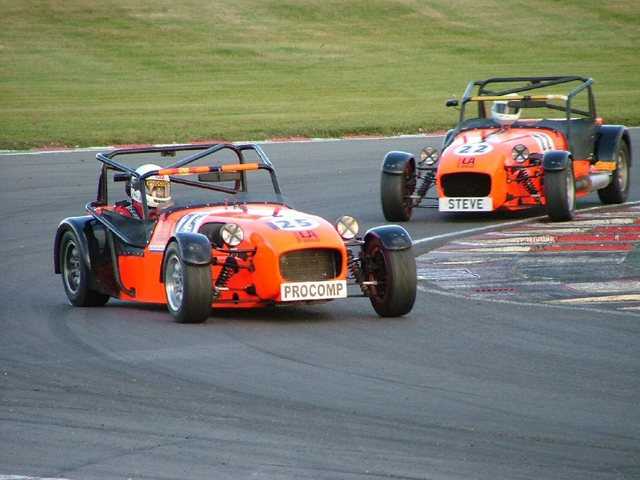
[[504, 108], [160, 189]]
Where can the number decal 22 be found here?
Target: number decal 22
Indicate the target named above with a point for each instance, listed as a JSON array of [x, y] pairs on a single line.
[[473, 149]]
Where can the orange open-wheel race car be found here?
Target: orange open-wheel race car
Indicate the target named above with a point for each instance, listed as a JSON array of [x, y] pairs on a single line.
[[197, 234], [520, 142]]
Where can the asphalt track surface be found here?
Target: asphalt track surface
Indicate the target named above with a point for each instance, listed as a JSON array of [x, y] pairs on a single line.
[[495, 374]]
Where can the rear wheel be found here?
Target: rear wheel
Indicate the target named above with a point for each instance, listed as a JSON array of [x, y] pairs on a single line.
[[560, 192], [393, 273], [75, 274], [395, 193], [618, 190], [188, 288]]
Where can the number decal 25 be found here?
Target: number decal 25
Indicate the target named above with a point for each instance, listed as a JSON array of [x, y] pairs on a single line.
[[293, 224]]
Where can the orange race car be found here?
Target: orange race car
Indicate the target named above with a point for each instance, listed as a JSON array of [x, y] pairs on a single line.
[[520, 142], [193, 235]]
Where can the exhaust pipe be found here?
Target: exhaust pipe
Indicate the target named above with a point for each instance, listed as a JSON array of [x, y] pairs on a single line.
[[594, 182]]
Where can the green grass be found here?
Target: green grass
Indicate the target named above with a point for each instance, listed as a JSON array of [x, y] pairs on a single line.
[[88, 72]]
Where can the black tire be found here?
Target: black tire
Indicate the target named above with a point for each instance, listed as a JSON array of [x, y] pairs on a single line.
[[560, 192], [395, 194], [394, 274], [188, 288], [618, 190], [75, 274]]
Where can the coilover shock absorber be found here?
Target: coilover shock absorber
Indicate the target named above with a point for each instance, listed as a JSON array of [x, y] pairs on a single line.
[[353, 264], [426, 183], [227, 270], [523, 178]]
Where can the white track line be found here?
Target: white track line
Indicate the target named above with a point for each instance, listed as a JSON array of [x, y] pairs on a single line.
[[500, 226]]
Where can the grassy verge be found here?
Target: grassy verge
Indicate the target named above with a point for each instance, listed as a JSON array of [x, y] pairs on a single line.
[[88, 72]]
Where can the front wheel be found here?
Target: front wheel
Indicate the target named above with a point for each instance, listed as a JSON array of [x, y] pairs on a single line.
[[75, 274], [395, 194], [618, 190], [188, 288], [560, 192], [392, 274]]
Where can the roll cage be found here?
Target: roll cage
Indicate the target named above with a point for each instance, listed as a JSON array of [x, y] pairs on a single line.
[[577, 122], [207, 175], [137, 232]]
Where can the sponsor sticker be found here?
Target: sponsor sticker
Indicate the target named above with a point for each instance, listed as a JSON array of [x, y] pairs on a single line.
[[606, 166], [465, 204], [290, 292], [466, 162]]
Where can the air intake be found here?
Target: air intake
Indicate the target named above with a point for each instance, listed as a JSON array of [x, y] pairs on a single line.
[[310, 265]]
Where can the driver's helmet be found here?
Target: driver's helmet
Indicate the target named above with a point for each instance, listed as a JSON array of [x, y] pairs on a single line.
[[157, 187], [503, 113]]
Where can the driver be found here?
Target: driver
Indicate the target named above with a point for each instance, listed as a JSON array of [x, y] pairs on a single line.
[[504, 113], [157, 190]]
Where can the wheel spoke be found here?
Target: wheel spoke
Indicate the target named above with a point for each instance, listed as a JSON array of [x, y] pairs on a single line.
[[174, 283], [571, 190], [623, 172], [378, 274], [72, 268]]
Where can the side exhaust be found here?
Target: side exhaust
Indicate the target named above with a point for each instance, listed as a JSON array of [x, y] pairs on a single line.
[[594, 182]]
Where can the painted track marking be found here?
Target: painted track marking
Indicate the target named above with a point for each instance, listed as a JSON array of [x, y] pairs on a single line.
[[591, 261]]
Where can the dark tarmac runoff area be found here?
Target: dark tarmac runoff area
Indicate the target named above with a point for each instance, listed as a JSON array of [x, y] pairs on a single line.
[[592, 262]]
